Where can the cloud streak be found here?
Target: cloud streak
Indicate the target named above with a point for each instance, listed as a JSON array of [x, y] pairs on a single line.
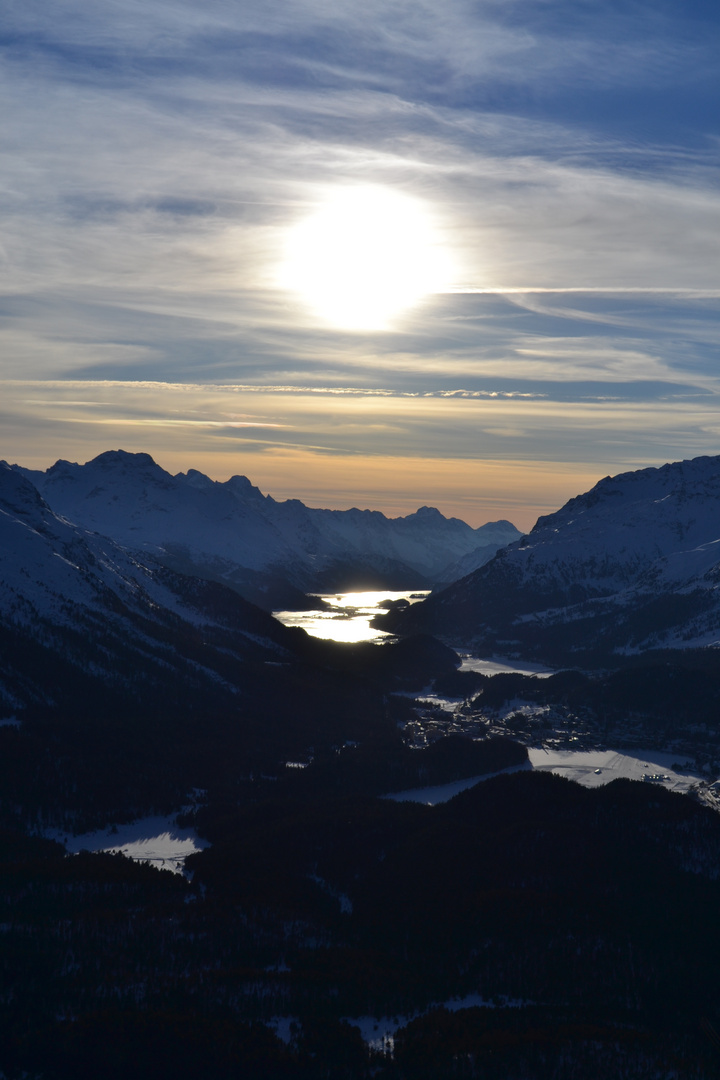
[[156, 155]]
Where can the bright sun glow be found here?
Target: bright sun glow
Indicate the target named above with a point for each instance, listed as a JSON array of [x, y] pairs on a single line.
[[364, 257]]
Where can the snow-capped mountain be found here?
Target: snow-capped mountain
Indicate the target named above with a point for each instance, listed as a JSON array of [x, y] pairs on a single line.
[[632, 564], [496, 534], [231, 532], [125, 684], [75, 605]]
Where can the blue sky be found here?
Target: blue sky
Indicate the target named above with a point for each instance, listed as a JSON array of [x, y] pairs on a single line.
[[156, 156]]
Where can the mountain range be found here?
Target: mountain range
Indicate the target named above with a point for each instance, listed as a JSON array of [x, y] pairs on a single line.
[[129, 687], [631, 565], [70, 593], [271, 552], [124, 683]]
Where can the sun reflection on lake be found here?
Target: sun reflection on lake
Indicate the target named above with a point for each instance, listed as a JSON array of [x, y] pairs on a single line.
[[349, 616]]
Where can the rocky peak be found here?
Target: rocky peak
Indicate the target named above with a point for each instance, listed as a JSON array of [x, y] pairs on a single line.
[[18, 496], [124, 458]]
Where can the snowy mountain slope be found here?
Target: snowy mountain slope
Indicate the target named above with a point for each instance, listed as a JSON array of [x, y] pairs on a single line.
[[231, 532], [124, 684], [496, 534], [632, 564], [79, 603]]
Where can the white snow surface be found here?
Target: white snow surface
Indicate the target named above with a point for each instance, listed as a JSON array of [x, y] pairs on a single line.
[[497, 666], [48, 566], [60, 584], [634, 527], [631, 539], [440, 793], [157, 840], [591, 768]]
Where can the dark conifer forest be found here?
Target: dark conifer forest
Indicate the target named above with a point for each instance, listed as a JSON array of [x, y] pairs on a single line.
[[528, 927]]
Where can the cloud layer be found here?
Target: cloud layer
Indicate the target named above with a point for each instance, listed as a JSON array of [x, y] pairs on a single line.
[[156, 155]]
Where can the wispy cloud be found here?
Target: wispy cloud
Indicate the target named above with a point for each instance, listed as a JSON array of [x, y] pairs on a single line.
[[156, 153]]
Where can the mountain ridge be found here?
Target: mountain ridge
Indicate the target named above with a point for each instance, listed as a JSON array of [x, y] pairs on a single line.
[[267, 550], [630, 565], [124, 684], [59, 583]]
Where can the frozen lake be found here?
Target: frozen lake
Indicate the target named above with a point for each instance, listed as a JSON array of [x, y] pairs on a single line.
[[498, 667], [591, 768]]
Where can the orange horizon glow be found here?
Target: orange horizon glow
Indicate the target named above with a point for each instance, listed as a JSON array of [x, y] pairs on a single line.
[[339, 449], [474, 491]]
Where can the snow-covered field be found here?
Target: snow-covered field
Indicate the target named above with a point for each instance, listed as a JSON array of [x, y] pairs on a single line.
[[440, 793], [591, 768], [498, 667], [157, 840], [160, 841]]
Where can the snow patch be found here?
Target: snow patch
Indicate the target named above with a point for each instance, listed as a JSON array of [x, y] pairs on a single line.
[[440, 793], [379, 1031], [156, 840]]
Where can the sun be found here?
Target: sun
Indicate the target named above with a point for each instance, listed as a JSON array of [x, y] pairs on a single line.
[[365, 257]]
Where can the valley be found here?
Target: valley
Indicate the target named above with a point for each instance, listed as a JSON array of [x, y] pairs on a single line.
[[558, 719], [333, 844]]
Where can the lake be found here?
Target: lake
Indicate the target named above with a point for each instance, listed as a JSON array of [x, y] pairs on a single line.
[[349, 616]]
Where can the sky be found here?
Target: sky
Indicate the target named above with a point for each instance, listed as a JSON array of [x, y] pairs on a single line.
[[196, 200]]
